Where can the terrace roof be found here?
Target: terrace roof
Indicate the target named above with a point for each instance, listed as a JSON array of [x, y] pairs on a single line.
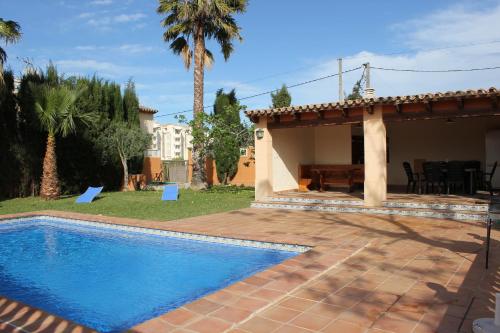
[[388, 100], [429, 105]]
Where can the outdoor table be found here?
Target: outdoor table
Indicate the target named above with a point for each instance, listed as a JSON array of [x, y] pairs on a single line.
[[320, 175]]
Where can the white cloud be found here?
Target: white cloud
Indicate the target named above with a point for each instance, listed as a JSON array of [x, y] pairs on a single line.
[[104, 68], [106, 21], [101, 2], [474, 30], [129, 17], [86, 15], [86, 48], [135, 48], [126, 48]]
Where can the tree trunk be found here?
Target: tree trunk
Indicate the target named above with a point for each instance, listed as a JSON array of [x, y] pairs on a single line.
[[50, 182], [125, 173], [198, 180]]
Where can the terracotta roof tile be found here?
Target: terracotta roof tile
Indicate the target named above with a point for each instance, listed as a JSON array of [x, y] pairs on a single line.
[[404, 99], [145, 109]]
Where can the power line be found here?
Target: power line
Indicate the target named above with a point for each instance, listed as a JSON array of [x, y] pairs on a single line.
[[347, 71], [378, 54], [269, 91], [435, 70]]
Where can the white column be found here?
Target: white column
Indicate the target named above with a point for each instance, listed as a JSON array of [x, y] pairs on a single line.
[[375, 187], [263, 162]]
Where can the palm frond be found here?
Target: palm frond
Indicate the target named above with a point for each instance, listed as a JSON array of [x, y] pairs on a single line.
[[180, 46], [215, 17], [208, 59], [3, 56], [10, 31]]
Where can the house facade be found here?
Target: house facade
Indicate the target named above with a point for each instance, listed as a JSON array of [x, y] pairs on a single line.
[[373, 137], [169, 141]]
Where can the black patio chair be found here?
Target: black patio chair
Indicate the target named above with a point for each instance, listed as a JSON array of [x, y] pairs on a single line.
[[434, 176], [413, 178], [455, 176], [488, 178]]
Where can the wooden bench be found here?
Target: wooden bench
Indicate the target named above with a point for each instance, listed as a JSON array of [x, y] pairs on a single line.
[[321, 175]]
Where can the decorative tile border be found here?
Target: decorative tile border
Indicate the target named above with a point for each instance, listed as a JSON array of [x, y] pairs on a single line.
[[388, 204], [164, 233], [315, 201], [459, 216]]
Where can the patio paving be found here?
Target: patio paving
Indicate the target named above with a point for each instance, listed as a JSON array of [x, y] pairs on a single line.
[[365, 273]]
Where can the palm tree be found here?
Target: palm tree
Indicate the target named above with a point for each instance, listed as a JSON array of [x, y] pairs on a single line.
[[10, 32], [58, 115], [188, 24]]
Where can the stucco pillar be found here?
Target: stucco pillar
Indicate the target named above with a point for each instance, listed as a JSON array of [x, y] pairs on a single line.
[[263, 162], [375, 187]]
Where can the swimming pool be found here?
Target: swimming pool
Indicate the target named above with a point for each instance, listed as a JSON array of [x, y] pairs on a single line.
[[110, 278]]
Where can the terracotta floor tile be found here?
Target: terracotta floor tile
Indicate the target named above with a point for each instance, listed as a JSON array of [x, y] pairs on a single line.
[[326, 310], [291, 329], [222, 297], [260, 325], [209, 325], [256, 281], [231, 314], [267, 294], [391, 324], [154, 326], [339, 326], [311, 321], [203, 306], [310, 294], [178, 317], [251, 304], [298, 304], [279, 313]]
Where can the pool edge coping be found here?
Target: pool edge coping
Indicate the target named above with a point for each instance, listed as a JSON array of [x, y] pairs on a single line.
[[288, 247]]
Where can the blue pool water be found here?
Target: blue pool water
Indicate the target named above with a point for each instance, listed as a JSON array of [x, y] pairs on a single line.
[[111, 280]]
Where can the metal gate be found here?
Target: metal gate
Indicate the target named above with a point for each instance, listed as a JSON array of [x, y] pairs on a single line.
[[176, 171]]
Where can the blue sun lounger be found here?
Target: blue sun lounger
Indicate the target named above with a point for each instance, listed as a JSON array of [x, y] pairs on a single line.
[[89, 195], [170, 192]]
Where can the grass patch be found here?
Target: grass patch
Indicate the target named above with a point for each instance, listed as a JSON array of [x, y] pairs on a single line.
[[141, 204]]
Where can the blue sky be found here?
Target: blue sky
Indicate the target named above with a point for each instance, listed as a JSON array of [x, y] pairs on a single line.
[[284, 42]]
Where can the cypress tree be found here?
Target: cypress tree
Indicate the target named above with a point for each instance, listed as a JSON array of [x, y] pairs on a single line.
[[131, 104]]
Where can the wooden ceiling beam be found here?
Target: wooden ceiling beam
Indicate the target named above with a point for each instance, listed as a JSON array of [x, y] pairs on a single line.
[[428, 106], [494, 103], [460, 103], [399, 108]]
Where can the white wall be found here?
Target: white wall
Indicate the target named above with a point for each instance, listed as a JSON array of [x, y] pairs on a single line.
[[332, 144], [295, 146], [463, 139], [291, 147]]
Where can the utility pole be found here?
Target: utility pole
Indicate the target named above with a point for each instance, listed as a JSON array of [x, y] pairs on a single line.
[[369, 91], [341, 84], [367, 75]]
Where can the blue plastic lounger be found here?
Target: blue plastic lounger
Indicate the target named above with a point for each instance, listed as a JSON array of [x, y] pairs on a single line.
[[170, 192], [89, 195]]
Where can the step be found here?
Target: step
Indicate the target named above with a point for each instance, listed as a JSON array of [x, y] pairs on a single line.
[[463, 215], [388, 204]]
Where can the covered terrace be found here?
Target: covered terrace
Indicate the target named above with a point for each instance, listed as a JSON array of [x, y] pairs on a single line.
[[367, 140]]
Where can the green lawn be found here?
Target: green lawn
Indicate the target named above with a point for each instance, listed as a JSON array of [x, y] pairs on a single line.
[[141, 205]]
